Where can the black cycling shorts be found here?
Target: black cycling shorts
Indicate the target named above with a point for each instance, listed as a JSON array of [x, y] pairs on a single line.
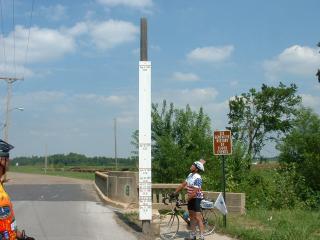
[[194, 204]]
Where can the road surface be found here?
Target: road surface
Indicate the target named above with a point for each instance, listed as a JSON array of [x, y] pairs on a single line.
[[59, 208]]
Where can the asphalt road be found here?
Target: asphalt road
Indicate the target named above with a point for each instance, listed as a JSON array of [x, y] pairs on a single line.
[[58, 208]]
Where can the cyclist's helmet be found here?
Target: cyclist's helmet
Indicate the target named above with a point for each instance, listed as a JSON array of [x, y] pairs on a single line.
[[199, 165]]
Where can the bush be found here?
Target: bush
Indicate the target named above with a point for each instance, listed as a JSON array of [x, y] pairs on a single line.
[[302, 147], [279, 188]]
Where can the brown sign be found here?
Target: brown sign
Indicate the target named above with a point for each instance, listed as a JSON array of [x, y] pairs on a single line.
[[222, 142]]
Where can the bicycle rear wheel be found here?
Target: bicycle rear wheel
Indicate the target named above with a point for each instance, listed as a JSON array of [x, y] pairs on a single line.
[[209, 220], [169, 225]]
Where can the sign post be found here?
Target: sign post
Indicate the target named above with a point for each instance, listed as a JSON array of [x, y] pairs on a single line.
[[222, 145]]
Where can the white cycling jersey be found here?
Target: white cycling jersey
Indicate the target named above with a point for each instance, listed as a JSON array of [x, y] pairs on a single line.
[[194, 180]]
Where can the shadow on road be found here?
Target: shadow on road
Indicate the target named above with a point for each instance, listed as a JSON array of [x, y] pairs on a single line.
[[126, 220]]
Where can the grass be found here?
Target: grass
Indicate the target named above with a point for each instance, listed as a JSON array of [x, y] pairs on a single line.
[[39, 170], [260, 224]]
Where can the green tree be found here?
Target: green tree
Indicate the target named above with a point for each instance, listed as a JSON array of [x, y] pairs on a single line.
[[301, 147], [258, 116], [135, 152], [179, 137], [237, 166]]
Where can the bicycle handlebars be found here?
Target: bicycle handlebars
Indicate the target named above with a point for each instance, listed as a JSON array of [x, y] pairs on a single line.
[[179, 203]]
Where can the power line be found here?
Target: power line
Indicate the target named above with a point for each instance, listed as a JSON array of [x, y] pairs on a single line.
[[14, 39], [2, 32], [27, 48]]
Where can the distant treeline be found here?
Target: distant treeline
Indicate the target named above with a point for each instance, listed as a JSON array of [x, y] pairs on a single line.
[[266, 159], [72, 159]]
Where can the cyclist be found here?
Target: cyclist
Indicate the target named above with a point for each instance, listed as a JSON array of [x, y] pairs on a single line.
[[193, 185], [8, 227]]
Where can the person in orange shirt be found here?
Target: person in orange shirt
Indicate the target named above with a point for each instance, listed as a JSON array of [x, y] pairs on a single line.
[[8, 227]]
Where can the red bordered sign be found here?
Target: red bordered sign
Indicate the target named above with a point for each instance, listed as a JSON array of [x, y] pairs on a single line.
[[222, 142]]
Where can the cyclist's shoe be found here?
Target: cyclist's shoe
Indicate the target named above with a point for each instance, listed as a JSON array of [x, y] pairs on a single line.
[[201, 237], [24, 236]]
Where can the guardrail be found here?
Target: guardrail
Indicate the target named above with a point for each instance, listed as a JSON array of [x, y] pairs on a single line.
[[124, 188]]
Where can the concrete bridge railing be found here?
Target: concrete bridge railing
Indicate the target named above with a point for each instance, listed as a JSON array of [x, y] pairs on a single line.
[[123, 187]]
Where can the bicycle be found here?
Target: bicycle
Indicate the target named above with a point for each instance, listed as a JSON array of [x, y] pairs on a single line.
[[169, 222]]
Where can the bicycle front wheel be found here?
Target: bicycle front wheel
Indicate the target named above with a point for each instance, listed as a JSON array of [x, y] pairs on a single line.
[[169, 225], [209, 220]]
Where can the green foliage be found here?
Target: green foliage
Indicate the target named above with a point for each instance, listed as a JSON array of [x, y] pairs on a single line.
[[281, 188], [302, 147], [135, 152], [257, 189], [256, 116], [180, 137], [237, 166]]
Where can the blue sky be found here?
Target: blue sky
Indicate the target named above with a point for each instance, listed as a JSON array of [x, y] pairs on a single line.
[[81, 70]]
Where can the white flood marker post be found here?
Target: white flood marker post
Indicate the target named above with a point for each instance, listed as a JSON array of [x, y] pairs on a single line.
[[145, 191]]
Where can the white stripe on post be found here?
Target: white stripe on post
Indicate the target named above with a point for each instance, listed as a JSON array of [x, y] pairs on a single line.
[[145, 191]]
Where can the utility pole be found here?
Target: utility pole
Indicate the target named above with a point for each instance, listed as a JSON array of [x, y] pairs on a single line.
[[115, 143], [9, 81], [46, 160]]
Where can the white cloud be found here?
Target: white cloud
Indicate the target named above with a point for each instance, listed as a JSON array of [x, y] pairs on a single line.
[[199, 97], [128, 117], [311, 101], [234, 83], [111, 33], [218, 111], [194, 97], [211, 54], [113, 100], [140, 4], [50, 44], [20, 70], [39, 98], [44, 44], [62, 102], [54, 13], [78, 29], [295, 60], [52, 114], [185, 77]]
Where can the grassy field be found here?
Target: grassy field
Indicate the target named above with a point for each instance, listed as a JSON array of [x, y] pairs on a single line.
[[39, 170], [261, 224]]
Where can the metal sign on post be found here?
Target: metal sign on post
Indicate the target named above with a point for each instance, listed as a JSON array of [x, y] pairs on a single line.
[[222, 145], [222, 142]]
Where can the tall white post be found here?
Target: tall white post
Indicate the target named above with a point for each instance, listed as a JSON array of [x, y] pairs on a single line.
[[145, 202], [145, 190]]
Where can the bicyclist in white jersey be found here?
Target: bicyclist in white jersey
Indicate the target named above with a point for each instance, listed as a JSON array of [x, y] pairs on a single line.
[[193, 184]]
